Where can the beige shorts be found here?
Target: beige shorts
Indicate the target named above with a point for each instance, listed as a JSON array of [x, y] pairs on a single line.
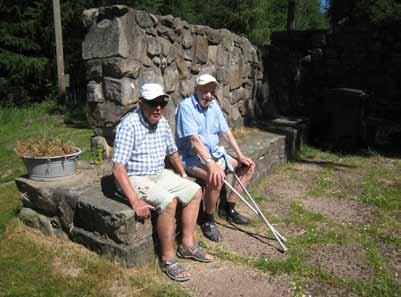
[[159, 190]]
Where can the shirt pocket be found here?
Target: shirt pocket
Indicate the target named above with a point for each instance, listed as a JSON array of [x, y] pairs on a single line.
[[214, 127]]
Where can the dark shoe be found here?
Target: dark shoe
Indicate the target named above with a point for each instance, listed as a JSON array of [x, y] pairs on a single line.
[[233, 216], [210, 230]]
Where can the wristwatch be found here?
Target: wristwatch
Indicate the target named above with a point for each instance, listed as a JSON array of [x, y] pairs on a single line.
[[209, 160]]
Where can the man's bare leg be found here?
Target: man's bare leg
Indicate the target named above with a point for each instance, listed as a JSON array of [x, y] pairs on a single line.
[[227, 207], [212, 194], [245, 175], [189, 217], [166, 230]]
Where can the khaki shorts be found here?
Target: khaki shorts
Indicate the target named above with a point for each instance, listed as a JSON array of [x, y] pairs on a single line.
[[159, 190]]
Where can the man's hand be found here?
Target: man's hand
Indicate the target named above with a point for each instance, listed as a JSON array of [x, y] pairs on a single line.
[[216, 174], [246, 161], [142, 209]]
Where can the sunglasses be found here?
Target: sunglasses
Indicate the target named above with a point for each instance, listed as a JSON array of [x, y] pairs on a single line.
[[155, 103]]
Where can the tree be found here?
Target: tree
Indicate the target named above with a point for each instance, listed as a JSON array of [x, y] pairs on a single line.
[[23, 52], [27, 46], [364, 12]]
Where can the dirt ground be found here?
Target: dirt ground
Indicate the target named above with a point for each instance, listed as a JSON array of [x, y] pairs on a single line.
[[234, 273]]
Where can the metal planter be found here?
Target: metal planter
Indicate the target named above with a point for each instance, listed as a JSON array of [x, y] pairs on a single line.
[[51, 168]]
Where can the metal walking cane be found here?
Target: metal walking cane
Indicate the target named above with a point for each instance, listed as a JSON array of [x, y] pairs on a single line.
[[255, 208]]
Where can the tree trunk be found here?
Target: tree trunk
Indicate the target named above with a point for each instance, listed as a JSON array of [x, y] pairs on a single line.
[[291, 15]]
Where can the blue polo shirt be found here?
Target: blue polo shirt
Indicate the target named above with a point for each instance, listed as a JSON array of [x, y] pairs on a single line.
[[208, 123]]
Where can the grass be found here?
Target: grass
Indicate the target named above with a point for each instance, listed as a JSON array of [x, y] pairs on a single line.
[[42, 120], [34, 265], [377, 184], [368, 178]]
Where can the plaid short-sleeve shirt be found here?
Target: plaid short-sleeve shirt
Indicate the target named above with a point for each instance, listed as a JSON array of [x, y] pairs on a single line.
[[140, 147]]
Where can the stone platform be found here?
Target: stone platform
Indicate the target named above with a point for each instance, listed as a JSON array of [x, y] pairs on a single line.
[[84, 208]]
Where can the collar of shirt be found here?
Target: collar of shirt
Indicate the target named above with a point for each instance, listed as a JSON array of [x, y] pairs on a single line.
[[144, 121]]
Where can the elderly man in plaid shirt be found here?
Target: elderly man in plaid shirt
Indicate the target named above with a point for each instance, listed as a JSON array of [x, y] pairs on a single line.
[[143, 140]]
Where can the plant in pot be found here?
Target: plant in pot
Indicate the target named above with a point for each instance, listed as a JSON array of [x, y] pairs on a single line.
[[48, 159]]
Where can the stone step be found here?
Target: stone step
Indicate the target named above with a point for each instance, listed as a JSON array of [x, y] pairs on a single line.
[[295, 130], [85, 209], [267, 149]]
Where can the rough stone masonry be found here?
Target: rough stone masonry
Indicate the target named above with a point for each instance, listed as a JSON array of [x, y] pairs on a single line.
[[124, 48]]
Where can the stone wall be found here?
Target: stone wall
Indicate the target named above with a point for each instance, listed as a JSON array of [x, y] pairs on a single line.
[[302, 66], [124, 48]]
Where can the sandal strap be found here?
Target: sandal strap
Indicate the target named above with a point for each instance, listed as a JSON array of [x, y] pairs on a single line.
[[197, 251], [194, 252], [173, 268]]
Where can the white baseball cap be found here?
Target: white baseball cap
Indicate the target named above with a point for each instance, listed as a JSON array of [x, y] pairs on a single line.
[[152, 91], [205, 79]]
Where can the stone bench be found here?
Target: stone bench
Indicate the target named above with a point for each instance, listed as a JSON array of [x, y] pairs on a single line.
[[85, 209]]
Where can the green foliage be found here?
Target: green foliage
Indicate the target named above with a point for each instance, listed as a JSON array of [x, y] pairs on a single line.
[[309, 15], [27, 46], [9, 206], [23, 47], [364, 12], [40, 120], [380, 191], [290, 265]]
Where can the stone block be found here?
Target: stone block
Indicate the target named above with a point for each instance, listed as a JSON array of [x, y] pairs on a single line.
[[212, 54], [237, 95], [121, 91], [42, 199], [296, 132], [265, 148], [139, 254], [89, 16], [233, 70], [109, 218], [118, 67], [105, 115], [221, 74], [48, 226], [186, 87], [94, 92], [165, 46], [213, 36], [186, 39], [166, 32], [227, 40], [152, 75], [143, 19], [93, 69], [209, 69], [200, 50], [170, 79], [105, 39], [138, 44], [153, 46], [168, 21]]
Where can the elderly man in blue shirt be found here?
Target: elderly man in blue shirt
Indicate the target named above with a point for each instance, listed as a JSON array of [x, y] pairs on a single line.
[[143, 140], [199, 124]]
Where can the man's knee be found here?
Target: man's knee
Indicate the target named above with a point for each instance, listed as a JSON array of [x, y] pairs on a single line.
[[198, 196], [211, 187], [246, 171], [171, 207]]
